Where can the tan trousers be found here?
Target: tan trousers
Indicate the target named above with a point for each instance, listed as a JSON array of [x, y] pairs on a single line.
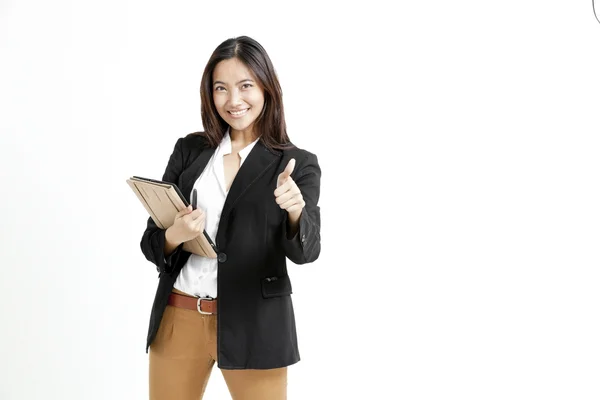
[[182, 356]]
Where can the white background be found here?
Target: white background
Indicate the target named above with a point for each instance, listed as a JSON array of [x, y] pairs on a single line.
[[459, 149]]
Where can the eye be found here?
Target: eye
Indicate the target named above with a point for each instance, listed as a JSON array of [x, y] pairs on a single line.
[[218, 89], [246, 85]]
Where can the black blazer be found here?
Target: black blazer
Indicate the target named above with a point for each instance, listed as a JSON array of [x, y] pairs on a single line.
[[255, 320]]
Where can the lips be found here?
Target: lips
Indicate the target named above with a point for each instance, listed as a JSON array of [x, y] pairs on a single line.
[[238, 113]]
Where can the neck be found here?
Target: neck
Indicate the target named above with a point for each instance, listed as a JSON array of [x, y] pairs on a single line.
[[242, 138]]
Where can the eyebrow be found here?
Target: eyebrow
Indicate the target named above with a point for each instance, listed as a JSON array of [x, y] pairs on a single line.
[[243, 80]]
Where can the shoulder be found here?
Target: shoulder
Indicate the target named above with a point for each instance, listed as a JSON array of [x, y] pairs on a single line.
[[298, 153], [189, 146], [194, 141], [305, 159]]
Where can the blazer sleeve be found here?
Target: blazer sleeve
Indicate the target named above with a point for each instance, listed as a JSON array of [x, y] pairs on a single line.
[[153, 239], [305, 246]]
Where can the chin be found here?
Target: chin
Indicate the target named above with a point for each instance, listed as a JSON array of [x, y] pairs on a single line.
[[237, 126], [240, 125]]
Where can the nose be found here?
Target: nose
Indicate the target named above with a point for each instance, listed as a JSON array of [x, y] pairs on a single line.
[[235, 98]]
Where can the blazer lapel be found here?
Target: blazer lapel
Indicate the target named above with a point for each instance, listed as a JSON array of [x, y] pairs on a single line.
[[192, 173], [256, 164]]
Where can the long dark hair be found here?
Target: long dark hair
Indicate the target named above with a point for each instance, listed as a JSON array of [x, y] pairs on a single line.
[[270, 124]]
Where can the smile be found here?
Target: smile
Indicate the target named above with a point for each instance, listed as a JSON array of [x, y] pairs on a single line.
[[238, 113]]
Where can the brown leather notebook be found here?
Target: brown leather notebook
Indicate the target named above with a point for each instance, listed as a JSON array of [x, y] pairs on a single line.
[[163, 200]]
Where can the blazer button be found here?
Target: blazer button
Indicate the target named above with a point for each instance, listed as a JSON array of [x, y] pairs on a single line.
[[222, 257], [303, 238]]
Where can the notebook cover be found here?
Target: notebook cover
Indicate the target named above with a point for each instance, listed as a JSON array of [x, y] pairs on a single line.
[[162, 201]]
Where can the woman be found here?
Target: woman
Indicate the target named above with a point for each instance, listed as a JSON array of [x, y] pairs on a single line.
[[257, 199]]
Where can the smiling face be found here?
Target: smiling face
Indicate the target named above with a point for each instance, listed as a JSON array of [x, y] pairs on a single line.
[[237, 95]]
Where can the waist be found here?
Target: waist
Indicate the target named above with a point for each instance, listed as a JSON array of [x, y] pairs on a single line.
[[204, 305]]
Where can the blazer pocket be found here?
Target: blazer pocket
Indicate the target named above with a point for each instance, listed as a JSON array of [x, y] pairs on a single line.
[[276, 286]]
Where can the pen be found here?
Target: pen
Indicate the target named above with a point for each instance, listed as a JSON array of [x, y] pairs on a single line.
[[194, 205]]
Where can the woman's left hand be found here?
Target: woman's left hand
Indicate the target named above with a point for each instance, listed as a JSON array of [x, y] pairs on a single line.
[[288, 195]]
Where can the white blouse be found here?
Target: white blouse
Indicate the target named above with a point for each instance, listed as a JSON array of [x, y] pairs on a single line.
[[198, 277]]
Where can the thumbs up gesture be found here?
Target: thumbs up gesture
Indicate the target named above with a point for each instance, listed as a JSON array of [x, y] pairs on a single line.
[[287, 194]]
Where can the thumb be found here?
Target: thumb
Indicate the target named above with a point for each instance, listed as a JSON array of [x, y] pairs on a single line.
[[289, 168]]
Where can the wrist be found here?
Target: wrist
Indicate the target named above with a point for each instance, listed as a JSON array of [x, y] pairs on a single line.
[[171, 238], [293, 223], [294, 217]]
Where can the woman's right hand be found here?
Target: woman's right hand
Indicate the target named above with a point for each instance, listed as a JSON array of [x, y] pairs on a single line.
[[187, 225]]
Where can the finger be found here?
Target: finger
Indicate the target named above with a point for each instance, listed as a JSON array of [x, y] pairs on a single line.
[[198, 224], [289, 168], [197, 213], [185, 211], [288, 185], [297, 199], [189, 221], [287, 195], [191, 218], [296, 207], [198, 216]]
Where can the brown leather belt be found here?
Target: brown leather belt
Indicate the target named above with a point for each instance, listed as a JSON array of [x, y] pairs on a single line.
[[202, 305]]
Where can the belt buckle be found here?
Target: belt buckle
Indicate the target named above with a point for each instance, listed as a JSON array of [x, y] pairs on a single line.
[[198, 305]]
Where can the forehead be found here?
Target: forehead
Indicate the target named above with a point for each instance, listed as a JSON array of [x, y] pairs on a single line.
[[231, 71]]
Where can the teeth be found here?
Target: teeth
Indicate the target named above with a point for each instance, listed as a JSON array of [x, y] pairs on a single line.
[[238, 113]]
